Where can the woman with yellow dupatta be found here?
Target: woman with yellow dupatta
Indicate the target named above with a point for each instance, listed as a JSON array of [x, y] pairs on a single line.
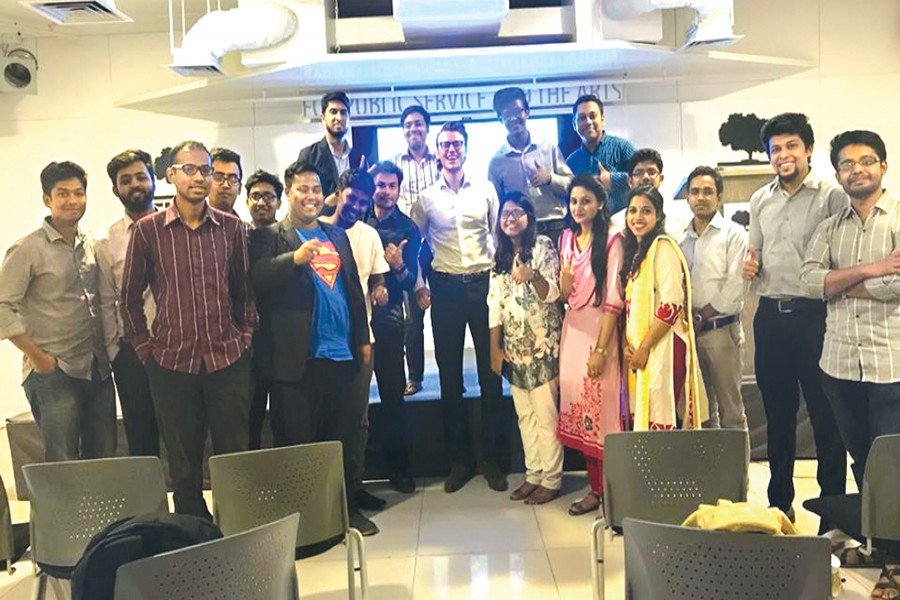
[[664, 383]]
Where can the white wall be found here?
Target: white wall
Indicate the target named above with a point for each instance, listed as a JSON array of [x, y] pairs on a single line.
[[856, 85]]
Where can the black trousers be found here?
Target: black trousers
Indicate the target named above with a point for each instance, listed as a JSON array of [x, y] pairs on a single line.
[[259, 400], [394, 430], [458, 302], [138, 413], [187, 407], [788, 348], [323, 406]]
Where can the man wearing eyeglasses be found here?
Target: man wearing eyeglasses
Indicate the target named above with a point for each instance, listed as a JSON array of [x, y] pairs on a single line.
[[194, 260], [226, 180], [264, 191], [457, 216], [854, 263], [530, 166]]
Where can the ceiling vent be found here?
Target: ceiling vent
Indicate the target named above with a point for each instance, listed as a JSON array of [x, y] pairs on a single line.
[[78, 12]]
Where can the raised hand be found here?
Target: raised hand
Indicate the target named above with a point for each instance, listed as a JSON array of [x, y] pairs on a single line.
[[521, 272], [605, 177], [566, 277], [305, 253], [362, 161], [751, 263], [393, 254]]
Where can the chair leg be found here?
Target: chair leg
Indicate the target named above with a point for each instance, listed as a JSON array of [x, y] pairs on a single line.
[[351, 576], [597, 556], [360, 544], [39, 589], [61, 588]]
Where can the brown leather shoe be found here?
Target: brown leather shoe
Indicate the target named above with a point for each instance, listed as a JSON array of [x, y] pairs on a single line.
[[541, 495], [523, 491], [588, 504]]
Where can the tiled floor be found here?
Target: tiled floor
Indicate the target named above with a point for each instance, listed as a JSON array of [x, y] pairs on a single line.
[[478, 544]]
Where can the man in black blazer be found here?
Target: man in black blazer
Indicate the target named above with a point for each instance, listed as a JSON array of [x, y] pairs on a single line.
[[332, 155], [313, 327]]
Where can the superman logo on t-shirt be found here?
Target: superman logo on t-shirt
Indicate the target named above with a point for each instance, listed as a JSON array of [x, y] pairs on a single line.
[[326, 263]]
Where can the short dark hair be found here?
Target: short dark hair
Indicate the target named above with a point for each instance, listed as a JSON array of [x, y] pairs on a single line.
[[456, 126], [298, 168], [335, 97], [260, 176], [185, 145], [415, 108], [227, 156], [126, 158], [357, 179], [508, 95], [645, 155], [857, 136], [587, 98], [61, 171], [787, 124], [704, 170], [386, 167]]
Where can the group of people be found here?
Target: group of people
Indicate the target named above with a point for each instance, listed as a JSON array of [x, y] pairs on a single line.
[[565, 273]]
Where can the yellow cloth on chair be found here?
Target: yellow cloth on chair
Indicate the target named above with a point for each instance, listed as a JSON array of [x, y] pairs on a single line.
[[740, 517]]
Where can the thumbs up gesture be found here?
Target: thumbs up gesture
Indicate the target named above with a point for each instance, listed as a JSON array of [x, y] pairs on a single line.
[[521, 272], [751, 263], [393, 254], [538, 175]]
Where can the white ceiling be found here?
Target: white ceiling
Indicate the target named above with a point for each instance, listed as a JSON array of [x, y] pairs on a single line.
[[147, 15]]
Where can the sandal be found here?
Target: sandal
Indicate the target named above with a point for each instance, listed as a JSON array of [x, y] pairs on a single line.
[[852, 557], [888, 586], [588, 504], [541, 495]]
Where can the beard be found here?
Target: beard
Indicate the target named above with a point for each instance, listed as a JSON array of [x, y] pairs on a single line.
[[138, 203]]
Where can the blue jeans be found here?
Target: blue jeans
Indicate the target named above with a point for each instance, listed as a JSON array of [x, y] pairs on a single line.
[[77, 417], [863, 412]]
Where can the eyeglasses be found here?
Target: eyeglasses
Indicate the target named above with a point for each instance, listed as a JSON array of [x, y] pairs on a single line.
[[514, 113], [456, 145], [845, 166], [229, 178], [190, 170], [267, 197], [641, 173], [514, 214]]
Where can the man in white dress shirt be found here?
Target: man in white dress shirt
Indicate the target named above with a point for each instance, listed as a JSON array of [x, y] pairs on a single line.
[[715, 249], [457, 216], [133, 183]]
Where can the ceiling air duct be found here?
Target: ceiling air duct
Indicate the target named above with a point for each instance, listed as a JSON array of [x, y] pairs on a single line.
[[713, 19], [77, 12], [450, 19], [249, 27]]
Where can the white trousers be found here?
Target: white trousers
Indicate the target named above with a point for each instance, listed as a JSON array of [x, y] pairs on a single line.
[[538, 416]]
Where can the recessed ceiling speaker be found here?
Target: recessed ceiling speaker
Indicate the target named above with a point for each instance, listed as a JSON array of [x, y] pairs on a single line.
[[18, 72]]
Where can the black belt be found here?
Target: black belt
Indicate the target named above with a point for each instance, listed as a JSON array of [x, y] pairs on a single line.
[[789, 305], [462, 277], [719, 323]]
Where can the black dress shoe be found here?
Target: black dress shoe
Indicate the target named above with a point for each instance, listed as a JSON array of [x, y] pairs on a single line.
[[459, 476], [368, 501], [403, 483], [495, 477], [363, 524]]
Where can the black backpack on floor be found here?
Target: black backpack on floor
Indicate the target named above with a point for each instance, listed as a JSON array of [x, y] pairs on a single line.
[[130, 539]]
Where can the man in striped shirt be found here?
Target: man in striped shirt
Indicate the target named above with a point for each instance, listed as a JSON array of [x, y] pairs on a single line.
[[854, 263], [194, 258], [420, 170]]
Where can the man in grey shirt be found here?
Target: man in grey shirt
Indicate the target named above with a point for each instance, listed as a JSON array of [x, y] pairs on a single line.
[[789, 325], [854, 263], [533, 167], [50, 310]]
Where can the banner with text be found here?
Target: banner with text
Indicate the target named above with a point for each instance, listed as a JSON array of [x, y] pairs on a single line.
[[473, 102]]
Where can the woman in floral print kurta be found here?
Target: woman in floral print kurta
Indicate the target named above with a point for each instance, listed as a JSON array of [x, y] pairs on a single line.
[[525, 322]]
